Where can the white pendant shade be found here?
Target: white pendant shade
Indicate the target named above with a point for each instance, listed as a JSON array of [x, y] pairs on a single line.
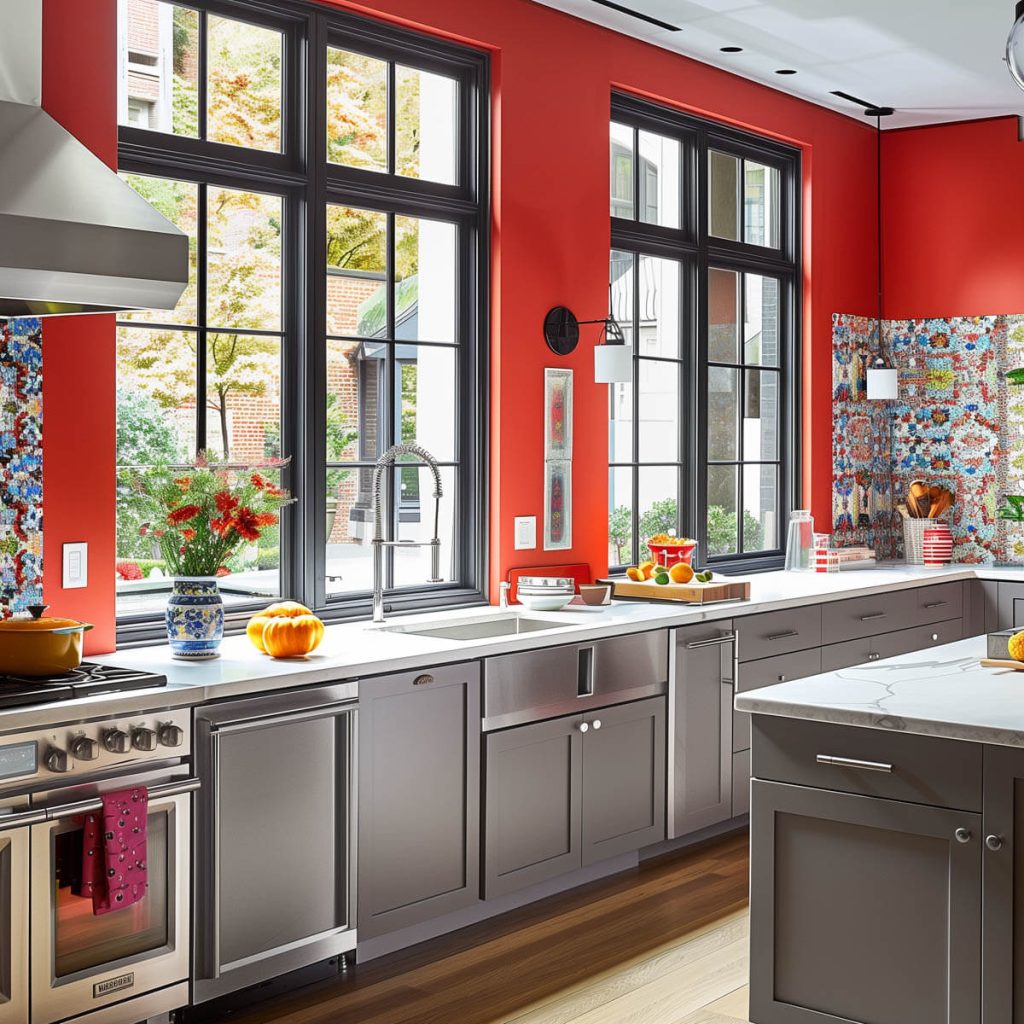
[[883, 385], [613, 364]]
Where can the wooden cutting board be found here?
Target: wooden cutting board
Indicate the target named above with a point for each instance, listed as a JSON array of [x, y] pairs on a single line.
[[688, 593], [1016, 666]]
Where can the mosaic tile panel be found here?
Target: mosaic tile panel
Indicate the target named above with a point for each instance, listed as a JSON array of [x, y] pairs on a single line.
[[21, 464], [956, 423]]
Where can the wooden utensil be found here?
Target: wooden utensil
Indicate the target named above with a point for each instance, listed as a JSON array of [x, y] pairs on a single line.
[[1016, 666], [919, 500]]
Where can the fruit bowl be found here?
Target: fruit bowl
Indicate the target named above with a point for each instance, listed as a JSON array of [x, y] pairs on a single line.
[[669, 554]]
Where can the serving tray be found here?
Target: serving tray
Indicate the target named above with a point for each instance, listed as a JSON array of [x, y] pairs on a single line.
[[687, 593]]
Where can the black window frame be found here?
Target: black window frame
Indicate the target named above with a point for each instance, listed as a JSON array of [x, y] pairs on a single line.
[[302, 175], [698, 253]]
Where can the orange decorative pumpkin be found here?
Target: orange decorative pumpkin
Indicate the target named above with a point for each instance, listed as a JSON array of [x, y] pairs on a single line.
[[282, 609], [292, 636]]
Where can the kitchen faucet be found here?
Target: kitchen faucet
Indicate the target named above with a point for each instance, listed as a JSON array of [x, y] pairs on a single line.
[[379, 543]]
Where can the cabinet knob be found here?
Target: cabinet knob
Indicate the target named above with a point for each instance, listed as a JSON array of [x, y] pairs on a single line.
[[874, 656], [597, 723], [583, 727], [962, 835], [935, 636], [994, 842]]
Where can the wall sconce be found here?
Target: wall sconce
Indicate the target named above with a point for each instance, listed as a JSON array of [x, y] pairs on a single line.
[[883, 381], [613, 358]]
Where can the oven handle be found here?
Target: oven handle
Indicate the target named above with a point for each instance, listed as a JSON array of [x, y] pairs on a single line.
[[90, 806], [22, 818]]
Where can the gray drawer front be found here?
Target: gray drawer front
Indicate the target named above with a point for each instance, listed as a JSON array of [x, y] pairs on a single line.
[[925, 769], [534, 685], [763, 636], [940, 602], [867, 616], [874, 648], [780, 669]]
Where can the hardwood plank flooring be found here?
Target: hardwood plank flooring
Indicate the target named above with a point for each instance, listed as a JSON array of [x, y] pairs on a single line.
[[665, 943]]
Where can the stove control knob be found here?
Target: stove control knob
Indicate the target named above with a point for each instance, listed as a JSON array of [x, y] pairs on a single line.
[[57, 760], [143, 739], [84, 749], [170, 735], [116, 741]]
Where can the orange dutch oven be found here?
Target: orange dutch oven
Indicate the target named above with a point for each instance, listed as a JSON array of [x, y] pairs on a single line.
[[40, 646]]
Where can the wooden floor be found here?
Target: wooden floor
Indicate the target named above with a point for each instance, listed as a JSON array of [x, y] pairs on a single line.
[[663, 944]]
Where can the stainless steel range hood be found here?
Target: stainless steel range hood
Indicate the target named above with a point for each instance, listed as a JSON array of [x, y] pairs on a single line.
[[74, 238]]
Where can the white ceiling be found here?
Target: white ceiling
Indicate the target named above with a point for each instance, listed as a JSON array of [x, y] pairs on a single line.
[[933, 60]]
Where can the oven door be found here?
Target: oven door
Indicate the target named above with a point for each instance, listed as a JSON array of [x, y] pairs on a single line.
[[82, 962], [14, 849]]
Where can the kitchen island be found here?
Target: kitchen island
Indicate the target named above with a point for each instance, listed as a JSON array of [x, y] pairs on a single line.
[[887, 843]]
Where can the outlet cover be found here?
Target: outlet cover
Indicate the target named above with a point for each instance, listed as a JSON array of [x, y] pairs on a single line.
[[526, 533], [76, 566]]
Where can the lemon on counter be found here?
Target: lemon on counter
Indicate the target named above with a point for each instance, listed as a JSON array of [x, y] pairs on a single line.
[[1016, 646]]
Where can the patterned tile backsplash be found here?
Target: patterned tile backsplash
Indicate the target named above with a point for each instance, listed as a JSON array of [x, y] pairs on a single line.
[[956, 423], [21, 464]]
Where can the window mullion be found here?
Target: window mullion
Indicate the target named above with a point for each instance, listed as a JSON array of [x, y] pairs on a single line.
[[202, 242], [202, 73]]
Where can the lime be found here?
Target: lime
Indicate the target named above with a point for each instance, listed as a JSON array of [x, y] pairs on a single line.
[[662, 579]]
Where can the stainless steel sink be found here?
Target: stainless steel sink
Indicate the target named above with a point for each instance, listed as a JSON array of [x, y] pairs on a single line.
[[480, 629]]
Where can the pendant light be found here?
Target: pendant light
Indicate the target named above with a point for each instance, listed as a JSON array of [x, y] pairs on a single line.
[[883, 379], [613, 358], [1015, 46]]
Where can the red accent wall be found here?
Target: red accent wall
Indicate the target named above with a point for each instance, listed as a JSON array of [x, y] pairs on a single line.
[[552, 80], [79, 373], [953, 220]]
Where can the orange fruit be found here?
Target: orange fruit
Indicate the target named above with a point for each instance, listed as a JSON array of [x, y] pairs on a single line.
[[646, 569], [681, 572], [634, 574]]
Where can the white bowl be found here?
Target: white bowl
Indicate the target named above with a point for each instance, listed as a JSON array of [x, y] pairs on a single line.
[[545, 603]]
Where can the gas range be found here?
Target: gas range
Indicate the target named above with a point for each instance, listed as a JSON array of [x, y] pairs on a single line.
[[88, 680]]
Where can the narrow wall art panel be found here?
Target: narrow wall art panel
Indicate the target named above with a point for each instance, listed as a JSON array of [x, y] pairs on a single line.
[[557, 460]]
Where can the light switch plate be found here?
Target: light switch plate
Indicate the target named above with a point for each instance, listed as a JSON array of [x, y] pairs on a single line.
[[526, 533], [76, 566]]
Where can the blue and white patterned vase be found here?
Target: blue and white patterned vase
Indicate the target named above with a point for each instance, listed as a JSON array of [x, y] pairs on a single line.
[[195, 618]]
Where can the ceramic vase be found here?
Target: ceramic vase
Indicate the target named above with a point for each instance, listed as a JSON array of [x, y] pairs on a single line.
[[195, 618]]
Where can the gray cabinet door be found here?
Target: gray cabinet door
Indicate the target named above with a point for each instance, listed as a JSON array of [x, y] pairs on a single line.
[[532, 804], [1011, 605], [700, 727], [623, 779], [419, 797], [862, 910], [1003, 889]]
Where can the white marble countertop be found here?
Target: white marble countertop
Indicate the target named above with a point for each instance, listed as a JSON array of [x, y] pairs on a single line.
[[943, 691], [358, 649]]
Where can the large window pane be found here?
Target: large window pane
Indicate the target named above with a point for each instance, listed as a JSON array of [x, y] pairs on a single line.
[[761, 416], [357, 101], [620, 423], [658, 503], [724, 196], [658, 410], [427, 382], [158, 44], [723, 413], [243, 260], [723, 316], [760, 508], [723, 535], [178, 201], [660, 308], [761, 326], [620, 517], [243, 83], [243, 397], [414, 487], [349, 529], [425, 280], [622, 172], [761, 204], [620, 297], [426, 111], [355, 405], [660, 186], [357, 292]]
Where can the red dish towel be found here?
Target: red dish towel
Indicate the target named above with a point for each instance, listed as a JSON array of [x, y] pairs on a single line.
[[114, 851]]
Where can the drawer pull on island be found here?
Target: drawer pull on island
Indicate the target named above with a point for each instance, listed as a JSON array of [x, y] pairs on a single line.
[[784, 636], [852, 762], [872, 618], [936, 604], [962, 835], [994, 842], [715, 641]]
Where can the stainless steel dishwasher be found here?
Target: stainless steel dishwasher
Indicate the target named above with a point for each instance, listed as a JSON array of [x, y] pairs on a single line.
[[275, 836]]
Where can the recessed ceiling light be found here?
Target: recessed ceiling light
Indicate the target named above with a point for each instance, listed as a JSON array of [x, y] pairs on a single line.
[[732, 49], [785, 71]]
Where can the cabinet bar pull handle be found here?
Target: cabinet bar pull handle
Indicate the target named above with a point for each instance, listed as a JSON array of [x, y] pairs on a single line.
[[936, 604], [872, 618], [784, 636], [852, 762], [715, 641]]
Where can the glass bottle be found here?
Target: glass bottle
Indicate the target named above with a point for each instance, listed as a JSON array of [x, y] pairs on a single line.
[[800, 541]]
